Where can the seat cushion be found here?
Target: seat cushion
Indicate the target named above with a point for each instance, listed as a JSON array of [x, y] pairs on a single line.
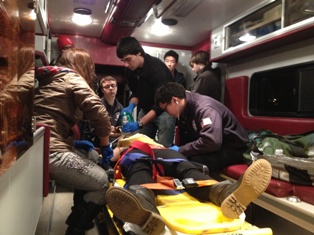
[[305, 193], [276, 187]]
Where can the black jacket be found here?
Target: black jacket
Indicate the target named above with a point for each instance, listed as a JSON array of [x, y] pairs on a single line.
[[207, 83], [208, 126], [145, 81]]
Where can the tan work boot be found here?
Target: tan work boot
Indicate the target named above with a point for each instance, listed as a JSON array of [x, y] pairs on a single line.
[[233, 198], [137, 206]]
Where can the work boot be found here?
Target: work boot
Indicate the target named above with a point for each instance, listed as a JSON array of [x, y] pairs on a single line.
[[136, 205], [233, 198], [78, 199], [84, 214]]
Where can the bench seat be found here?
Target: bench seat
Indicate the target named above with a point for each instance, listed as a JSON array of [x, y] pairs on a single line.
[[276, 187]]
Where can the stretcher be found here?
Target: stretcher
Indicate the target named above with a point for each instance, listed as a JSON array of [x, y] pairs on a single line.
[[184, 214]]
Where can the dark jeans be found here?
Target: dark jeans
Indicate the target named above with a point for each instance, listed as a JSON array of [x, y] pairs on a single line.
[[140, 172], [163, 126]]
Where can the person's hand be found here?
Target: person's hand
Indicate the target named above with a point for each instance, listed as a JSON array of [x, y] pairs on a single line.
[[84, 144], [175, 148], [129, 109], [18, 144], [130, 127], [107, 154]]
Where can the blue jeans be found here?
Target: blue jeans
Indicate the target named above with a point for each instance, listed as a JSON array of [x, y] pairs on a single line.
[[77, 172], [160, 129]]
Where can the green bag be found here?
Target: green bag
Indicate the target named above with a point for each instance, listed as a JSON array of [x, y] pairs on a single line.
[[291, 156], [266, 142], [289, 145]]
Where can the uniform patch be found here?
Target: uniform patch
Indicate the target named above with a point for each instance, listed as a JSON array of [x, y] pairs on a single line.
[[206, 121]]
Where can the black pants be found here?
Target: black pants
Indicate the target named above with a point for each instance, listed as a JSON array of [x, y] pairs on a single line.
[[140, 172], [216, 161]]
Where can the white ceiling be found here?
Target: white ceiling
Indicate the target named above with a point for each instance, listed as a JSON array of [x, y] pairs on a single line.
[[190, 30]]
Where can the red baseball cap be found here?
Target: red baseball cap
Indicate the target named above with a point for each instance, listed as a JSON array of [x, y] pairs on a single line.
[[64, 41]]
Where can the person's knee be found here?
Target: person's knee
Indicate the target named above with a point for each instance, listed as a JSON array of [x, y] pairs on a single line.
[[140, 166], [186, 169], [96, 193]]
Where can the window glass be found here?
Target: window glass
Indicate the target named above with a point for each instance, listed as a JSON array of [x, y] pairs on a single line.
[[283, 92], [298, 10]]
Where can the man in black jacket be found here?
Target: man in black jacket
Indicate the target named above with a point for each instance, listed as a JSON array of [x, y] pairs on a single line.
[[145, 74], [171, 59]]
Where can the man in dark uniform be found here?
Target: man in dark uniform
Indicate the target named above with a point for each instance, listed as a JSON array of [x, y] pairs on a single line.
[[145, 74], [209, 132]]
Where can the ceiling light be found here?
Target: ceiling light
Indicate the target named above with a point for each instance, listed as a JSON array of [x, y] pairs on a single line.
[[247, 37], [82, 16], [160, 29]]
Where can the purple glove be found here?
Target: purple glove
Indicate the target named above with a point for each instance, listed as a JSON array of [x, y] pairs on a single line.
[[130, 127], [175, 148], [129, 109], [84, 144], [107, 154]]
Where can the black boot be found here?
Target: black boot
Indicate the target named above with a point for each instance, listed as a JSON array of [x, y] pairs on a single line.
[[235, 197], [136, 205], [83, 214], [78, 199]]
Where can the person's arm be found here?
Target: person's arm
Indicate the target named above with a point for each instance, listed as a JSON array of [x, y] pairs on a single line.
[[210, 132], [151, 115], [117, 152], [104, 140], [115, 132]]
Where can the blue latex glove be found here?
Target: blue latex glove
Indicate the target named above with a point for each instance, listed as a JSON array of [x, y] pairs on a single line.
[[129, 108], [84, 144], [19, 144], [107, 154], [130, 127], [175, 148]]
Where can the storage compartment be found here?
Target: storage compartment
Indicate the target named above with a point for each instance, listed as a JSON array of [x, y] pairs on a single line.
[[257, 24], [272, 24]]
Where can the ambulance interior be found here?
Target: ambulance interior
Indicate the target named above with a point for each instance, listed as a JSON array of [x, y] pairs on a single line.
[[274, 60]]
